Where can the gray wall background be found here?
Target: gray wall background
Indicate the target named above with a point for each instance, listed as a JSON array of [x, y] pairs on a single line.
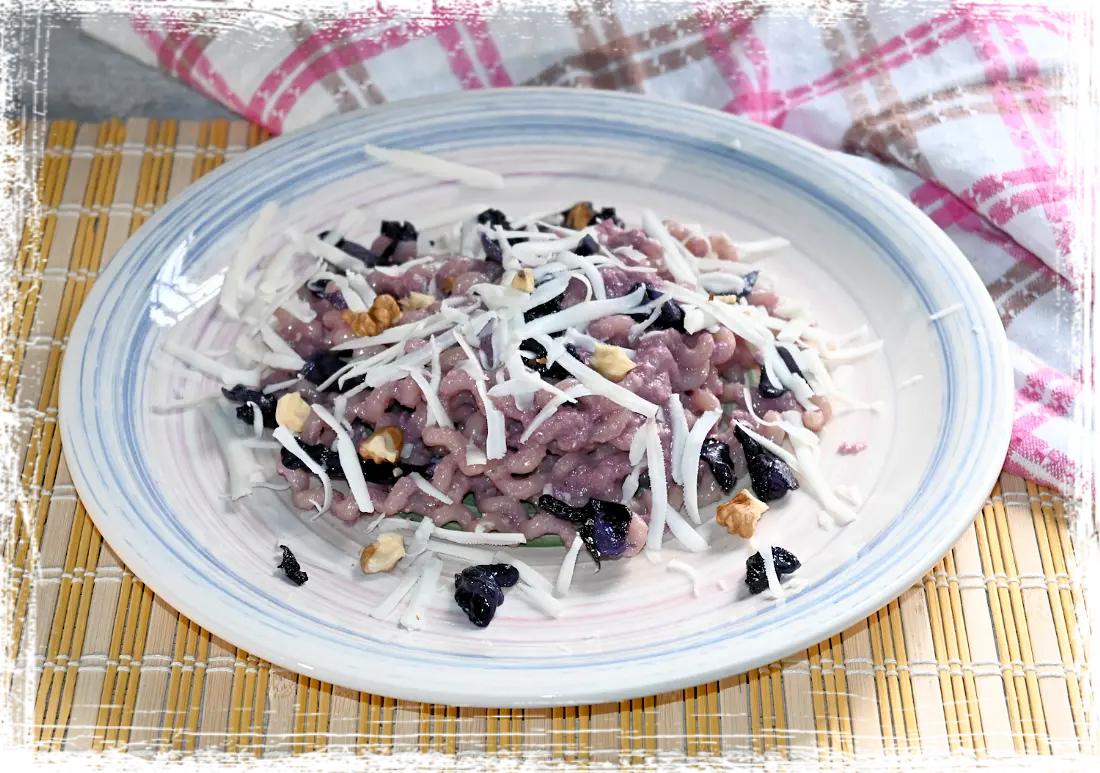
[[85, 80]]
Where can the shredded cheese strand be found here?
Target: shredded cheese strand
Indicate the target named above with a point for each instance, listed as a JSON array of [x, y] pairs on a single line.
[[244, 261], [432, 166], [284, 436], [689, 462], [349, 460], [429, 489], [570, 395], [568, 567], [227, 374], [658, 487], [412, 620]]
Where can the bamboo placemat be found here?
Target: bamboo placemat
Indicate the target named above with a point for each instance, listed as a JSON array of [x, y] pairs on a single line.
[[981, 659]]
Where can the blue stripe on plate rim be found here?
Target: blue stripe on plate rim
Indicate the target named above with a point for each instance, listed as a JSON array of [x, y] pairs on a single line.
[[399, 127]]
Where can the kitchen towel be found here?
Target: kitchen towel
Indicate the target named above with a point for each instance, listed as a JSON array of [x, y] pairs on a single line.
[[961, 107]]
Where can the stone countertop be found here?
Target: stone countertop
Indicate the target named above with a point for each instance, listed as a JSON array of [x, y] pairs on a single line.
[[50, 69]]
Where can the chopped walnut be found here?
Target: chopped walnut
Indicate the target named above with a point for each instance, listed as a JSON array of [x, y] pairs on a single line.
[[741, 514], [524, 281], [384, 313], [383, 554], [385, 310], [383, 446], [579, 215], [417, 301], [291, 412], [446, 284], [611, 362]]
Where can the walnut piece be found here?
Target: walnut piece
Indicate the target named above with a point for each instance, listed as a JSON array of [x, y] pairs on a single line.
[[579, 215], [383, 554], [524, 281], [741, 514], [291, 411], [384, 313], [384, 445], [417, 301], [611, 362]]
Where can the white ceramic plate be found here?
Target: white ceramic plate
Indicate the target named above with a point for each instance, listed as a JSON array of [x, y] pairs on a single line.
[[860, 254]]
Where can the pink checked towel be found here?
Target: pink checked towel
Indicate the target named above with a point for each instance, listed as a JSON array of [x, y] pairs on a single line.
[[957, 106]]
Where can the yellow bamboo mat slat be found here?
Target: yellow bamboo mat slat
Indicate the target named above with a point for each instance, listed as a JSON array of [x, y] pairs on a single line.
[[982, 659]]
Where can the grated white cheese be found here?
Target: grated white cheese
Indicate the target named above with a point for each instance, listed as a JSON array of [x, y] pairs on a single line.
[[765, 551], [437, 369], [526, 573], [759, 247], [330, 253], [675, 262], [588, 343], [474, 555], [527, 252], [186, 404], [844, 356], [849, 494], [279, 346], [609, 389], [568, 567], [679, 566], [630, 485], [284, 436], [375, 376], [638, 445], [411, 577], [475, 456], [588, 268], [227, 374], [278, 275], [241, 465], [776, 368], [725, 266], [509, 539], [570, 395], [540, 599], [403, 268], [689, 461], [722, 283], [257, 420], [432, 166], [298, 307], [400, 333], [678, 420], [694, 320], [496, 441], [429, 489], [349, 460], [437, 414], [419, 542], [682, 531], [354, 302], [580, 315], [362, 287], [232, 291], [776, 449], [810, 473], [945, 312], [640, 327], [790, 422], [658, 487], [412, 620], [793, 330]]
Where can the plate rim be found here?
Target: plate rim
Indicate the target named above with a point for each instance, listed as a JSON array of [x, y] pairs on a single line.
[[1002, 390]]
